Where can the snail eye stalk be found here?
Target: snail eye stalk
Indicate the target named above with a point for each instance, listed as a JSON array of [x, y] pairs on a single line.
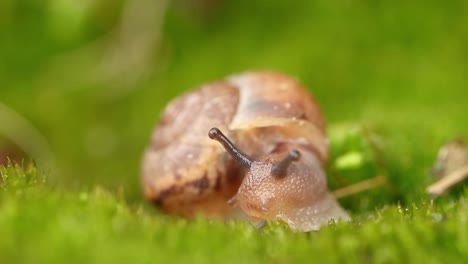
[[280, 169], [241, 157]]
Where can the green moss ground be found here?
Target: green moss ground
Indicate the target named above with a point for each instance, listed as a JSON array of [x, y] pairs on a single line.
[[44, 224], [390, 73]]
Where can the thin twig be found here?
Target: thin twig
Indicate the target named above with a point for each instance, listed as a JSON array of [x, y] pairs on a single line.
[[441, 186], [360, 186], [26, 136]]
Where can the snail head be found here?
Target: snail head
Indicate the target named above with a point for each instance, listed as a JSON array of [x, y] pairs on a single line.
[[269, 183]]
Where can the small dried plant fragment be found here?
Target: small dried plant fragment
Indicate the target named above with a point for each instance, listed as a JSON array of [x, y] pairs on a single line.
[[450, 168]]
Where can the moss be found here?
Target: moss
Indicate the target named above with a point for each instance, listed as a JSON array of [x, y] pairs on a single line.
[[44, 224]]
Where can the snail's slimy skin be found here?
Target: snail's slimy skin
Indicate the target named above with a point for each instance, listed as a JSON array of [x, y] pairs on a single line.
[[266, 115], [300, 199]]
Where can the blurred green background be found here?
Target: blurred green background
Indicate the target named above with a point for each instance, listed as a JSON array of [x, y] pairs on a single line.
[[82, 83]]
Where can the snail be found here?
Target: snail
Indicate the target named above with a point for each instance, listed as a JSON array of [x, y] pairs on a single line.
[[252, 145]]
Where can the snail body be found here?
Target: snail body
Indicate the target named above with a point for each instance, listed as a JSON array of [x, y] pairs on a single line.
[[269, 164]]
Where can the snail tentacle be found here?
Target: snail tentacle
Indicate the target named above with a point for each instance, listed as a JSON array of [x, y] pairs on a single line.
[[241, 157], [280, 169]]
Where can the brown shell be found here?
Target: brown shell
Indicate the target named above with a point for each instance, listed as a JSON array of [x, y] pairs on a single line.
[[186, 172], [183, 170]]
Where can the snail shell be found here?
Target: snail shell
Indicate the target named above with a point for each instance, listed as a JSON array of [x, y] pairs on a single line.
[[267, 115]]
